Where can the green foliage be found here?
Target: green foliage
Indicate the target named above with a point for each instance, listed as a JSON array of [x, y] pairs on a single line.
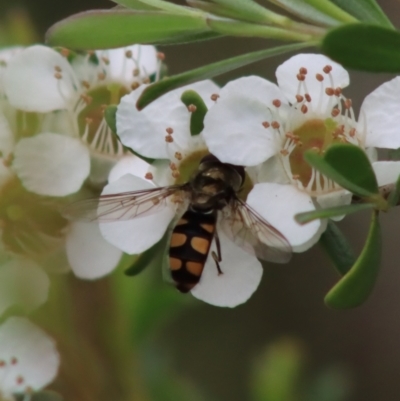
[[329, 8], [356, 285], [104, 29], [337, 247], [192, 98], [154, 5], [376, 48], [365, 10], [327, 213], [158, 89], [349, 166]]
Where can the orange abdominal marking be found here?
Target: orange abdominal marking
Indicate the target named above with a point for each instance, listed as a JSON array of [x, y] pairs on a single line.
[[200, 245], [208, 227], [194, 268], [177, 239], [181, 222], [175, 264]]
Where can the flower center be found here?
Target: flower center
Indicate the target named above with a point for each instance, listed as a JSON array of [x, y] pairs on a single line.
[[187, 167]]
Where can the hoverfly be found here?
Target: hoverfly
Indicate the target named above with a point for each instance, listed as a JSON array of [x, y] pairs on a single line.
[[208, 198]]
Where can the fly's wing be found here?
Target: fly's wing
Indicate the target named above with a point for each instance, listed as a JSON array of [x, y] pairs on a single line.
[[126, 205], [247, 229]]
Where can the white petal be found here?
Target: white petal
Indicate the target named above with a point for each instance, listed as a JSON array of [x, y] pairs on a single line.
[[30, 83], [271, 171], [145, 131], [22, 283], [233, 128], [386, 172], [89, 254], [129, 165], [286, 75], [278, 204], [381, 113], [5, 56], [120, 68], [51, 164], [34, 353], [136, 235], [241, 276]]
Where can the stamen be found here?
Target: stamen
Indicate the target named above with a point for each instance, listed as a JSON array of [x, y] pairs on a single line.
[[178, 155], [303, 71], [149, 176], [301, 77], [169, 139], [275, 125], [161, 56], [319, 77], [214, 97], [135, 85], [327, 69], [304, 109], [169, 130], [128, 54], [352, 132], [192, 108], [284, 152], [335, 112], [348, 103], [308, 97], [338, 91], [65, 52], [299, 98], [136, 72], [329, 91], [101, 76], [276, 103], [266, 124], [105, 60]]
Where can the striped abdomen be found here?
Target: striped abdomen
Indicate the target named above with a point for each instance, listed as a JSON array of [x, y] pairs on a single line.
[[189, 247]]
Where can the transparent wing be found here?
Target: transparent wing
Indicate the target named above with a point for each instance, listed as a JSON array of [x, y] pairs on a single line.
[[125, 205], [247, 229]]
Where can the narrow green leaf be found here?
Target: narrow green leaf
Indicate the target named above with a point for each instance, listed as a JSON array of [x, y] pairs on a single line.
[[158, 89], [365, 10], [332, 10], [251, 11], [337, 247], [134, 5], [327, 213], [104, 29], [252, 30], [155, 5], [110, 115], [394, 196], [305, 11], [192, 99], [356, 286], [215, 9], [348, 165], [377, 48]]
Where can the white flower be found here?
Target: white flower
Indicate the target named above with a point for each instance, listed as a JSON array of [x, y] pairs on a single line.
[[29, 360], [162, 131], [268, 127], [73, 141]]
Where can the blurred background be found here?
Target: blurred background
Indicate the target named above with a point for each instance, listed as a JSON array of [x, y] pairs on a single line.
[[218, 348]]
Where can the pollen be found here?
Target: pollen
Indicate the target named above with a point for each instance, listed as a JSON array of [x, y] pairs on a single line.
[[329, 91], [214, 97], [135, 85], [304, 109], [169, 130], [266, 124], [327, 69], [335, 112], [308, 97], [148, 176], [303, 70], [161, 56], [319, 77], [192, 108], [178, 155], [299, 98], [275, 125], [301, 77], [169, 139], [276, 103]]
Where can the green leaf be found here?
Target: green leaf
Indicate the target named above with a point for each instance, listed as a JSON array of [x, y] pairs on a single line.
[[337, 247], [45, 396], [377, 48], [192, 98], [328, 213], [110, 115], [134, 5], [246, 29], [332, 10], [104, 29], [365, 10], [394, 196], [348, 165], [356, 286], [158, 89], [306, 12]]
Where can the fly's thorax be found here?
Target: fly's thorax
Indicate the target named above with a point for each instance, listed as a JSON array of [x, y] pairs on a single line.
[[215, 183]]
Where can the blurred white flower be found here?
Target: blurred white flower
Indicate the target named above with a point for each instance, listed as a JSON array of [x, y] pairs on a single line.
[[73, 141], [29, 359], [268, 127]]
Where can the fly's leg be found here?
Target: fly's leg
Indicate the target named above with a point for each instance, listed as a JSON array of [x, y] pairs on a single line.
[[217, 256]]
